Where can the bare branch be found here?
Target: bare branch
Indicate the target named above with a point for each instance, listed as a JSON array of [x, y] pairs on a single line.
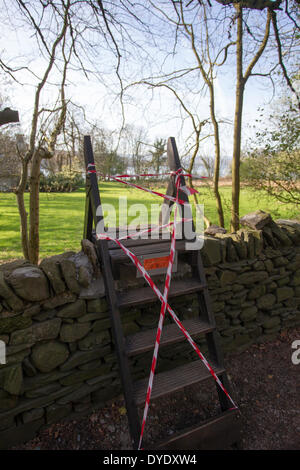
[[118, 59], [225, 49], [253, 4], [289, 15], [260, 50], [36, 26], [280, 58]]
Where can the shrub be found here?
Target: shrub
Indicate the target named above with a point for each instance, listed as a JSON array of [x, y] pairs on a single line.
[[61, 182]]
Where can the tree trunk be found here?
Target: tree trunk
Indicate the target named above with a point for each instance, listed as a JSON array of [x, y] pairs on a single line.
[[239, 95], [22, 209], [217, 157], [34, 209], [190, 170]]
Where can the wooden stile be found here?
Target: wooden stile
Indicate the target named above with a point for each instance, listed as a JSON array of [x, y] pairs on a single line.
[[219, 432]]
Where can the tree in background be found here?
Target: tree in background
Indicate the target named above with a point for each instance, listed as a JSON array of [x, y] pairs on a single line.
[[134, 147], [244, 73], [241, 80], [108, 161], [207, 61], [68, 154], [273, 164], [10, 167], [232, 36], [46, 126], [67, 34], [159, 157], [190, 25], [98, 37]]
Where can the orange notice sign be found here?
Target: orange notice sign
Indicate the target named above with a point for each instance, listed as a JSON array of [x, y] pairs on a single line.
[[156, 263]]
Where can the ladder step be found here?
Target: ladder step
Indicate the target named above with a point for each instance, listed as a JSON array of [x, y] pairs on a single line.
[[144, 341], [161, 236], [145, 295], [213, 434], [137, 242], [118, 255], [174, 380]]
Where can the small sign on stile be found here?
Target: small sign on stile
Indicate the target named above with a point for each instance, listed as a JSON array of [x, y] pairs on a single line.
[[157, 263]]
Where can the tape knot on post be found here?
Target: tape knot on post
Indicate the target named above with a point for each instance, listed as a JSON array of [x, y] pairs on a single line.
[[91, 168]]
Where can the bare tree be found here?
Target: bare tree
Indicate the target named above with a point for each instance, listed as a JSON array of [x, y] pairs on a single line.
[[241, 80], [82, 32], [135, 148], [243, 76], [191, 25], [68, 35], [108, 160], [46, 125], [208, 30], [203, 55]]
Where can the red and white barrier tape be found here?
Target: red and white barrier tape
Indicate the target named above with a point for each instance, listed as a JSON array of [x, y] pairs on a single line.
[[187, 190], [161, 318], [163, 298], [152, 229]]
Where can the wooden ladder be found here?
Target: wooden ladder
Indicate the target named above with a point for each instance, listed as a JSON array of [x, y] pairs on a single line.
[[216, 433]]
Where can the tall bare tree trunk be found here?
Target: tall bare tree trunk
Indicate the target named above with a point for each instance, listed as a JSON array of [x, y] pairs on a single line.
[[241, 80], [190, 170], [34, 209], [239, 96], [22, 209], [217, 155]]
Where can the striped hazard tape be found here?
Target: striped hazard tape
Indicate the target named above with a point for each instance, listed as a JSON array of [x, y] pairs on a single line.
[[91, 169], [162, 297]]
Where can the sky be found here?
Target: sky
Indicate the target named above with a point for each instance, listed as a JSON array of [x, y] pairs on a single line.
[[157, 112]]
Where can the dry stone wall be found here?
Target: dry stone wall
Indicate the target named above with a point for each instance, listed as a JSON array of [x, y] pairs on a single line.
[[55, 324], [254, 280]]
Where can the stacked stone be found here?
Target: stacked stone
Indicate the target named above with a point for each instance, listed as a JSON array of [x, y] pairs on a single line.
[[55, 323], [254, 279], [54, 320], [60, 356]]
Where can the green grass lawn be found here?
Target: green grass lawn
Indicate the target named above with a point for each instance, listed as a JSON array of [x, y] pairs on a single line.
[[62, 215]]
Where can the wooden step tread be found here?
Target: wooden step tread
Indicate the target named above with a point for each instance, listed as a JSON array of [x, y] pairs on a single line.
[[143, 295], [174, 380], [144, 341], [131, 242], [118, 255], [161, 236], [214, 434]]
